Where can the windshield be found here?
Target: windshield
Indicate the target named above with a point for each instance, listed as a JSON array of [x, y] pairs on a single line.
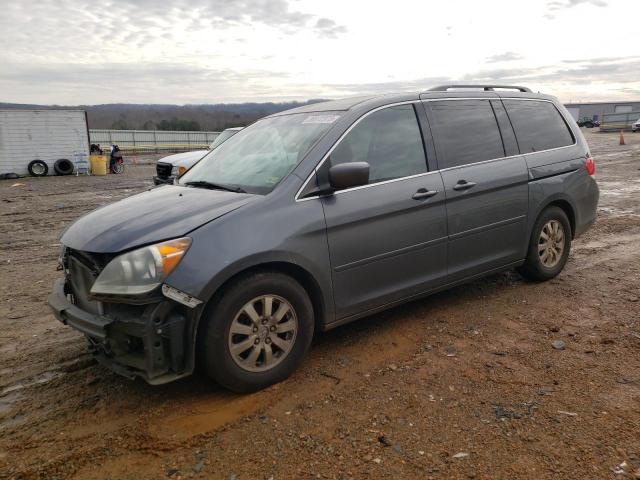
[[259, 156], [226, 134]]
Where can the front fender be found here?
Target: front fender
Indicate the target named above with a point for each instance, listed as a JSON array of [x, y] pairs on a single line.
[[293, 234]]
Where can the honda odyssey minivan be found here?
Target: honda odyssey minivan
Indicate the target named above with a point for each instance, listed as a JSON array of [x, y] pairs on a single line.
[[314, 217]]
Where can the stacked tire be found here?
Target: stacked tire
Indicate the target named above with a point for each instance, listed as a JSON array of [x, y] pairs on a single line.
[[39, 168]]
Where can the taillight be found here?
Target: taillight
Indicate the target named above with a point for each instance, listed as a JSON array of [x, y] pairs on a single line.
[[590, 165]]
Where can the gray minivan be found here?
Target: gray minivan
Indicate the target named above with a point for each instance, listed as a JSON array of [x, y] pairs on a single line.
[[316, 216]]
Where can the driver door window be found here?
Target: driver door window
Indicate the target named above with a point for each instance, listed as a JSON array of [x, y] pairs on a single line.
[[389, 140]]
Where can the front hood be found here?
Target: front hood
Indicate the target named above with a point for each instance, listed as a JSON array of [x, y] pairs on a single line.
[[160, 214], [186, 159]]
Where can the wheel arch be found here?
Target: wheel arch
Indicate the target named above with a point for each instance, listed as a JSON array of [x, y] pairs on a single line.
[[293, 270], [565, 205], [569, 211]]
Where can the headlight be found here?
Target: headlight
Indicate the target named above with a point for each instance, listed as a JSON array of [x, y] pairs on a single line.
[[141, 270], [178, 171]]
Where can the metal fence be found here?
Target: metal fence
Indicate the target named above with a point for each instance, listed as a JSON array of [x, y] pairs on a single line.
[[618, 121], [153, 141]]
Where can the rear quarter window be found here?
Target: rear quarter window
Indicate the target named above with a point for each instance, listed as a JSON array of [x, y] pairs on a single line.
[[538, 125]]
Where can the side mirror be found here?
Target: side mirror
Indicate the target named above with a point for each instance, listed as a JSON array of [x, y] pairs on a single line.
[[348, 175]]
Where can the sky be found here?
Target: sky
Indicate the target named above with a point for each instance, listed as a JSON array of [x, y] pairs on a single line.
[[72, 52]]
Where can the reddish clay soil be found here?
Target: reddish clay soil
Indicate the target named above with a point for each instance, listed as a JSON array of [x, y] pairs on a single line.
[[463, 384]]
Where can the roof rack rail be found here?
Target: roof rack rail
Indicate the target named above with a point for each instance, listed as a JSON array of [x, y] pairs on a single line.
[[486, 88]]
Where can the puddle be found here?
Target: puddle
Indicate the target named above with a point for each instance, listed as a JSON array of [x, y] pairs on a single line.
[[206, 414], [615, 211]]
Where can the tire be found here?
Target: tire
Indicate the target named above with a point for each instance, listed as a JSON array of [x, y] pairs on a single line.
[[228, 309], [117, 168], [553, 222], [37, 168], [63, 167]]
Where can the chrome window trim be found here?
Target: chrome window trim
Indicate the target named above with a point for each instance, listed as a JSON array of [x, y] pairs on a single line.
[[384, 182], [504, 158], [339, 192]]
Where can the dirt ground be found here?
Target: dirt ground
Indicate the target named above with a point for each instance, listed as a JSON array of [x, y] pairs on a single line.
[[463, 384]]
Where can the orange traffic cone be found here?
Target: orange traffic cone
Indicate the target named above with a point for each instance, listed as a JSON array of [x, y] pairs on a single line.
[[621, 138]]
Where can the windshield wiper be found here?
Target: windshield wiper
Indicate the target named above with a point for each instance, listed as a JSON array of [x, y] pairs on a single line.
[[215, 186]]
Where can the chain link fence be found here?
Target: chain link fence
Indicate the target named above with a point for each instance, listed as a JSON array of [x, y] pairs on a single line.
[[153, 141], [612, 122]]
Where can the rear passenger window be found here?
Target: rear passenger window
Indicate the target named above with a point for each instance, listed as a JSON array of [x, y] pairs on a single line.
[[538, 125], [389, 140], [466, 132]]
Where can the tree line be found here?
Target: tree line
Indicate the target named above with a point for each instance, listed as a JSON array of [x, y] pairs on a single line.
[[209, 117]]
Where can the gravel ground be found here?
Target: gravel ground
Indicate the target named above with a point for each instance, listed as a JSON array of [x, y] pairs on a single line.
[[464, 384]]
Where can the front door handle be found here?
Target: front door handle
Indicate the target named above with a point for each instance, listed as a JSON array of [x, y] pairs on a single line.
[[463, 185], [423, 193]]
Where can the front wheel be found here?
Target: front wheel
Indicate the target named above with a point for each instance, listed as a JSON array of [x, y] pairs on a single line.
[[549, 246], [257, 332]]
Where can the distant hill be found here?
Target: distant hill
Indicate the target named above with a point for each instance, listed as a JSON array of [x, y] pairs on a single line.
[[124, 116]]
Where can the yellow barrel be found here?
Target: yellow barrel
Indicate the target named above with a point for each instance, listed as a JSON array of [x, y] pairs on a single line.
[[98, 164]]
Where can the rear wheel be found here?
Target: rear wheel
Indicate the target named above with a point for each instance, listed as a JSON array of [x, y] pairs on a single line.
[[549, 245], [257, 332]]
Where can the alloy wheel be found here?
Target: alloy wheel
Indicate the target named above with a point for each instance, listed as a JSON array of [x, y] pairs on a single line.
[[551, 243], [262, 333]]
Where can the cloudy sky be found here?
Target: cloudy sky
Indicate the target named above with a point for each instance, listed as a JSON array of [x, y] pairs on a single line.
[[210, 51]]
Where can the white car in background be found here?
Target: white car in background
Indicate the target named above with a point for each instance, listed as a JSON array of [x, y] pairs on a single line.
[[167, 168], [635, 126]]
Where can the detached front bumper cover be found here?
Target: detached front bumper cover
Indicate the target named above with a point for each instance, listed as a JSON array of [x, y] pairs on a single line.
[[153, 342]]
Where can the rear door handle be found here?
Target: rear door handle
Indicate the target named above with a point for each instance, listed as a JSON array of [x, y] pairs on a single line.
[[423, 193], [463, 185]]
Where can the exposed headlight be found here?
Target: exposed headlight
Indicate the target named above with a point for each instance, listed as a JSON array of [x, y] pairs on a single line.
[[141, 270]]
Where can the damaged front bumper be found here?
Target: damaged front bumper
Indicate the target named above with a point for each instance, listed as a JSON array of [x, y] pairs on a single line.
[[153, 341]]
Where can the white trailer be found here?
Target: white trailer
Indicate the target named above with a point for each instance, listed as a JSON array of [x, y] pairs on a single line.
[[47, 135]]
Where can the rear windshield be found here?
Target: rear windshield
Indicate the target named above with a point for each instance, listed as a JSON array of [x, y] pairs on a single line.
[[257, 157], [538, 125]]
